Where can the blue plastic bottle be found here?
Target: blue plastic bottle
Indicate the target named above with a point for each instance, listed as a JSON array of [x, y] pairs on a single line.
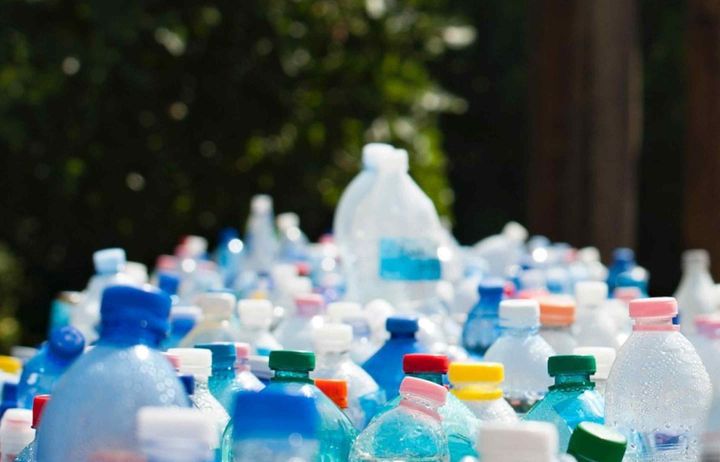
[[42, 372], [93, 408], [278, 425], [623, 260], [223, 383], [385, 366], [229, 254], [9, 397], [29, 454], [572, 399], [482, 326]]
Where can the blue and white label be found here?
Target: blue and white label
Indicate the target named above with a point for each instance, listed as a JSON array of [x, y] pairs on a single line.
[[409, 259]]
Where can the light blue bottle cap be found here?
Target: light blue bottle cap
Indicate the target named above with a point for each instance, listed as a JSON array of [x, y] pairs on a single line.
[[275, 413], [109, 261]]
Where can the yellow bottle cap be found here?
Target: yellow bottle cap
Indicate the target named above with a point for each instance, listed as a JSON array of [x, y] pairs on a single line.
[[477, 394], [476, 372], [10, 365]]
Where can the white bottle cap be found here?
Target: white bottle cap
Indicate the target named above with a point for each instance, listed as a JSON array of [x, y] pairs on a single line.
[[337, 311], [176, 424], [518, 442], [590, 293], [287, 220], [332, 337], [261, 203], [604, 359], [194, 361], [16, 431], [588, 255], [283, 272], [299, 285], [519, 313], [216, 304], [394, 160], [109, 260], [515, 231], [195, 246], [373, 154], [255, 312], [137, 272]]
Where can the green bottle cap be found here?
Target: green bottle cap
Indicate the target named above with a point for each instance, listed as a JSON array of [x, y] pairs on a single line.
[[291, 360], [571, 364], [591, 442]]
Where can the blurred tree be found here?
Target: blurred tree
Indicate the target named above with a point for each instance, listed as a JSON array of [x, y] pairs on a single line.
[[130, 123]]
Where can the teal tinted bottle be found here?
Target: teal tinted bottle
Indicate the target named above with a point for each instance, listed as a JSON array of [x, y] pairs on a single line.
[[572, 399], [222, 380]]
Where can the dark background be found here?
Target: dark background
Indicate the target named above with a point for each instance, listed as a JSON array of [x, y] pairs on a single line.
[[131, 123]]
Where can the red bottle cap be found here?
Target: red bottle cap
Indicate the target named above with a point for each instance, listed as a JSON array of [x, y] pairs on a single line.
[[423, 362], [38, 406]]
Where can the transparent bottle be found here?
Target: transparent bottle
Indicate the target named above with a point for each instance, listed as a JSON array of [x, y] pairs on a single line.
[[29, 454], [216, 323], [93, 407], [295, 331], [592, 442], [623, 260], [332, 361], [352, 314], [658, 363], [594, 325], [176, 435], [696, 292], [482, 326], [523, 352], [222, 381], [245, 380], [572, 399], [604, 359], [256, 317], [477, 385], [260, 239], [410, 431], [293, 246], [557, 315]]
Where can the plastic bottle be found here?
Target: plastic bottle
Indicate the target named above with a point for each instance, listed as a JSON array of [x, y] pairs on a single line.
[[336, 390], [260, 239], [9, 397], [523, 352], [16, 433], [295, 331], [62, 305], [182, 320], [351, 313], [293, 242], [696, 292], [259, 366], [169, 283], [175, 435], [594, 326], [502, 251], [85, 417], [229, 255], [482, 325], [385, 366], [10, 370], [657, 363], [623, 260], [572, 399], [198, 363], [519, 442], [245, 380], [278, 425], [557, 315], [592, 442], [222, 381], [42, 372], [410, 431], [604, 359], [256, 317], [477, 385], [331, 344], [29, 453], [216, 322], [109, 265]]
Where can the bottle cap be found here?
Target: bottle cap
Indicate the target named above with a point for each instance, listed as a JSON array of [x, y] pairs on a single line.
[[261, 204], [256, 312], [275, 413], [518, 441], [309, 304], [10, 365], [194, 246], [146, 306], [194, 361], [518, 313], [591, 293], [417, 363], [394, 160], [401, 324], [287, 220], [16, 430], [66, 343], [39, 403], [188, 383], [109, 261], [176, 424], [299, 285], [591, 442], [700, 256], [423, 389], [216, 304], [291, 360], [173, 359], [604, 359], [335, 389], [655, 307], [137, 271], [588, 255], [10, 392], [223, 353], [242, 350], [624, 255], [338, 311], [332, 337], [476, 372], [374, 153], [491, 287], [260, 366], [166, 262], [556, 311], [571, 364], [168, 283]]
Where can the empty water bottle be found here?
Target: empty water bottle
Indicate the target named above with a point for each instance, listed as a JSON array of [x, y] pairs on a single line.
[[477, 385], [482, 326], [216, 323], [295, 331], [256, 317], [623, 260], [245, 380], [351, 313], [293, 246], [222, 383], [696, 292], [604, 359], [594, 324], [557, 315], [260, 239], [16, 432], [169, 434], [182, 320]]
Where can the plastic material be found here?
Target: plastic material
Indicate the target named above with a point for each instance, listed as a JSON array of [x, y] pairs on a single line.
[[518, 442], [482, 326], [591, 442], [16, 433], [557, 315], [696, 292], [295, 331], [175, 434], [256, 317], [336, 390], [477, 385]]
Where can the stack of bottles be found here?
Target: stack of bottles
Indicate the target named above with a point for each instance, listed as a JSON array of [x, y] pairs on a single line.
[[386, 341]]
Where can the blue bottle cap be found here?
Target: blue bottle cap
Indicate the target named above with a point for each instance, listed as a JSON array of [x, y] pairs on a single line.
[[109, 260], [492, 287], [275, 413], [227, 234], [147, 307], [168, 283], [66, 343], [623, 254], [223, 353], [401, 324], [188, 383], [9, 392]]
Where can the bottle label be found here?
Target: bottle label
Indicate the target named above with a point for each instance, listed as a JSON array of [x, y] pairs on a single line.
[[409, 259]]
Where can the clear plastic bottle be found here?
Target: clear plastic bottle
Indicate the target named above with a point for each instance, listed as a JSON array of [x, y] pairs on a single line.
[[591, 442], [523, 352], [696, 292], [170, 434], [93, 407], [658, 393], [482, 326], [245, 380], [332, 361], [410, 431], [519, 442], [260, 239], [29, 454], [295, 331], [572, 399], [594, 325], [477, 385], [502, 251], [293, 245], [604, 359], [42, 372], [256, 317], [16, 432], [216, 323], [222, 381], [229, 255], [557, 315], [352, 314], [278, 425]]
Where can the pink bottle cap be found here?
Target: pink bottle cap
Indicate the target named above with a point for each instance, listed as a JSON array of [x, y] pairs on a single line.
[[309, 304], [242, 350], [655, 307], [708, 325], [424, 389]]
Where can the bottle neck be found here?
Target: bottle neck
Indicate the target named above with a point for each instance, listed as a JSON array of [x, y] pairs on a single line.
[[434, 377], [201, 384], [402, 335], [572, 381], [283, 376], [126, 334], [663, 324], [419, 405], [490, 303]]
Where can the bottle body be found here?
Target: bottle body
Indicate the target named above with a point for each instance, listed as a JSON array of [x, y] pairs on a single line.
[[481, 329], [277, 450], [211, 331], [385, 366], [204, 400], [260, 339], [595, 327], [29, 454], [38, 377], [295, 331], [560, 338], [494, 410], [695, 295]]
